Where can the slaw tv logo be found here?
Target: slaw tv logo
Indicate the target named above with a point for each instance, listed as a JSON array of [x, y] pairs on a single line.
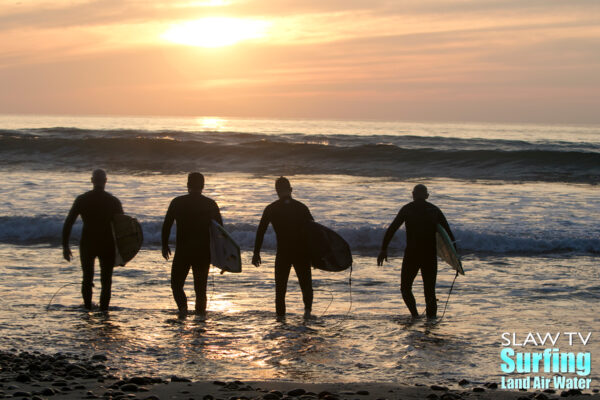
[[545, 366]]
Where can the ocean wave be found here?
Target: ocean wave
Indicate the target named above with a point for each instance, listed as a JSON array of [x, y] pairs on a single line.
[[387, 156], [46, 230], [337, 139]]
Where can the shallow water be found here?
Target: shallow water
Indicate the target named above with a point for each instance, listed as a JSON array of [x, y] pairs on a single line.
[[527, 226], [369, 339]]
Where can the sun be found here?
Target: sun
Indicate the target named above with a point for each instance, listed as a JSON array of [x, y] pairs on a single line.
[[215, 31], [211, 123]]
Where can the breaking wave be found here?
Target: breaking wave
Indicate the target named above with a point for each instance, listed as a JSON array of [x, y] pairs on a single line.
[[46, 230], [141, 151]]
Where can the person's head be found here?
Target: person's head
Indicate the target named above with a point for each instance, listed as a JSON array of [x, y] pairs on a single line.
[[283, 187], [99, 179], [195, 182], [420, 192]]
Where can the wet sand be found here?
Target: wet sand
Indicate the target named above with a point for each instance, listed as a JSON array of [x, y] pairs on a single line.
[[36, 376]]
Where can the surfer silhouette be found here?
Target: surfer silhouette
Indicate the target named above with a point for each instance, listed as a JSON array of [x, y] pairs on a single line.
[[97, 208], [192, 213], [421, 218], [289, 218]]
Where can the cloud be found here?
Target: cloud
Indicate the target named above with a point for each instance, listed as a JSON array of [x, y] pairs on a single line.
[[463, 59], [38, 14]]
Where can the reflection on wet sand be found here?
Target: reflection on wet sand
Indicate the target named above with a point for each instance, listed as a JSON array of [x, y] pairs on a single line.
[[242, 339]]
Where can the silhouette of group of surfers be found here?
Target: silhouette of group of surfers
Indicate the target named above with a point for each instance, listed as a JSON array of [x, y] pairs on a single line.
[[193, 212]]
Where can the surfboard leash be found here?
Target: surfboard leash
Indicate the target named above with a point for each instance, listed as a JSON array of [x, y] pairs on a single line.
[[345, 317], [350, 294], [332, 298], [447, 300], [56, 293], [212, 291], [330, 302]]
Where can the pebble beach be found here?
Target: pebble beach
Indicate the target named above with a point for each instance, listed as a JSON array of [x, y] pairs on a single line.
[[38, 376]]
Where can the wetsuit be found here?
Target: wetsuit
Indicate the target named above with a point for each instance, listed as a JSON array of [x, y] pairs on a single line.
[[289, 218], [192, 213], [421, 218], [97, 209]]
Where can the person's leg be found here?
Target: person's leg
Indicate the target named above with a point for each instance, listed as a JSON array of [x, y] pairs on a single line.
[[200, 271], [282, 273], [107, 263], [304, 275], [407, 277], [179, 272], [87, 266], [429, 274]]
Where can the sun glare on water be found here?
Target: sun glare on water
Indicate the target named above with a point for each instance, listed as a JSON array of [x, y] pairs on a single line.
[[211, 123], [215, 32]]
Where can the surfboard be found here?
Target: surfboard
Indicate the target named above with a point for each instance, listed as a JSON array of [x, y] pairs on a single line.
[[328, 250], [128, 237], [446, 250], [224, 251]]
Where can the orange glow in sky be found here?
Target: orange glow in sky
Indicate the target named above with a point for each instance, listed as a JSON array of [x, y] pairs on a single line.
[[431, 60], [215, 32]]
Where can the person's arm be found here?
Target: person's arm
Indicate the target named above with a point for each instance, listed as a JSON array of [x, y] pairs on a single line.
[[260, 234], [444, 223], [310, 217], [118, 207], [68, 225], [216, 214], [166, 231], [389, 234]]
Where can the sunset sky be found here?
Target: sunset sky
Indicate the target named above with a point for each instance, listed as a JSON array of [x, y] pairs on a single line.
[[460, 60]]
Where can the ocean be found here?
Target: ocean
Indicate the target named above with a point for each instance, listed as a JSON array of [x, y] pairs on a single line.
[[522, 200]]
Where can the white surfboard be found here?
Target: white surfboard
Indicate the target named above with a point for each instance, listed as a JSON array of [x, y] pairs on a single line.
[[446, 250], [224, 251]]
